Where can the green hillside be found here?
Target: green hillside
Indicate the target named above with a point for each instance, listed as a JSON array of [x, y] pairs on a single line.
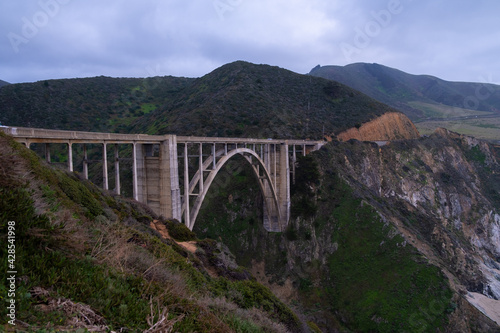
[[3, 83], [237, 99], [243, 99], [90, 104], [88, 261], [400, 89]]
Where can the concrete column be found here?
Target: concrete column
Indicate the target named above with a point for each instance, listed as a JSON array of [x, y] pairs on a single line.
[[225, 149], [104, 167], [294, 161], [277, 163], [169, 191], [139, 173], [267, 161], [269, 209], [70, 157], [215, 159], [275, 159], [134, 172], [284, 186], [47, 152], [201, 169], [85, 163], [117, 171], [187, 213], [304, 152]]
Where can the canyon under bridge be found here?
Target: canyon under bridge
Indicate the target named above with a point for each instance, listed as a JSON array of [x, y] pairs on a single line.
[[157, 167]]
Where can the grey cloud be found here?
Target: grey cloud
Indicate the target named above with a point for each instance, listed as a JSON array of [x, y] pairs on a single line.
[[456, 41]]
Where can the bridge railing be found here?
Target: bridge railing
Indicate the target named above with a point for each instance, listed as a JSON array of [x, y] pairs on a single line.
[[38, 133]]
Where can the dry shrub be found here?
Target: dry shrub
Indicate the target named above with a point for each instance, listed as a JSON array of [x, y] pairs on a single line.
[[13, 169], [227, 308], [117, 248], [112, 247], [261, 319], [80, 315], [159, 323]]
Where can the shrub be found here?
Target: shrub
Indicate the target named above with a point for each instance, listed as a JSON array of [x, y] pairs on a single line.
[[179, 231]]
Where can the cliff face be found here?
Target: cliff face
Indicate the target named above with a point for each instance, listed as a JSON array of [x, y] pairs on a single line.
[[371, 232], [389, 126], [448, 185]]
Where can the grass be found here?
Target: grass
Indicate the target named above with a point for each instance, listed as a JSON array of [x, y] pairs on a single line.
[[377, 276], [148, 107], [486, 129], [445, 111], [96, 252]]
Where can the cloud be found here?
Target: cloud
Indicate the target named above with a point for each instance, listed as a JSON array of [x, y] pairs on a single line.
[[190, 38]]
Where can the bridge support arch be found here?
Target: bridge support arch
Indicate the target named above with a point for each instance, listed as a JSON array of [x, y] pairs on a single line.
[[274, 217]]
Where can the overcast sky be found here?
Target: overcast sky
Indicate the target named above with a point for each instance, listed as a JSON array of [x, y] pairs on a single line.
[[456, 40]]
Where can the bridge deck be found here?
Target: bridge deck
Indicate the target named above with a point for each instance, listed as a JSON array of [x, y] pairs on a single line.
[[37, 135]]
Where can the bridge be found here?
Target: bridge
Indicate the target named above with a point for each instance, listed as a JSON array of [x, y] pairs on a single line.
[[157, 167]]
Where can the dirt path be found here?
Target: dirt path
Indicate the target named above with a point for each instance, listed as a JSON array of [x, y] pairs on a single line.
[[488, 306]]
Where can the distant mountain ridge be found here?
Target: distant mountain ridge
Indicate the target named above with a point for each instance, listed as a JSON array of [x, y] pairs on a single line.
[[3, 83], [418, 96]]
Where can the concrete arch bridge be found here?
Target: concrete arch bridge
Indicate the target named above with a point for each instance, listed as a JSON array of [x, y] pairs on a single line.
[[172, 174]]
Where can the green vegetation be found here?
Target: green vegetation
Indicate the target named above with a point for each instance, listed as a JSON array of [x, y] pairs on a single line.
[[86, 260], [421, 97], [306, 180], [377, 275], [372, 280], [237, 99], [485, 129], [431, 110], [99, 104], [475, 154]]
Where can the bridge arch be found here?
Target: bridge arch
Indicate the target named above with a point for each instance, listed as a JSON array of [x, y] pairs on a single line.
[[264, 180]]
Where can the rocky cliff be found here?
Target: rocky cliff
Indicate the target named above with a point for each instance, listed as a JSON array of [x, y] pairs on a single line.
[[389, 126], [450, 182], [403, 237]]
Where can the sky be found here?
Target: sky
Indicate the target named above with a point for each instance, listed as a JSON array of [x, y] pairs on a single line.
[[455, 40]]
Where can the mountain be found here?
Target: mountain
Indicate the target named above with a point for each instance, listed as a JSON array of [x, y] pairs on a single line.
[[237, 99], [3, 83], [418, 96], [244, 99]]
